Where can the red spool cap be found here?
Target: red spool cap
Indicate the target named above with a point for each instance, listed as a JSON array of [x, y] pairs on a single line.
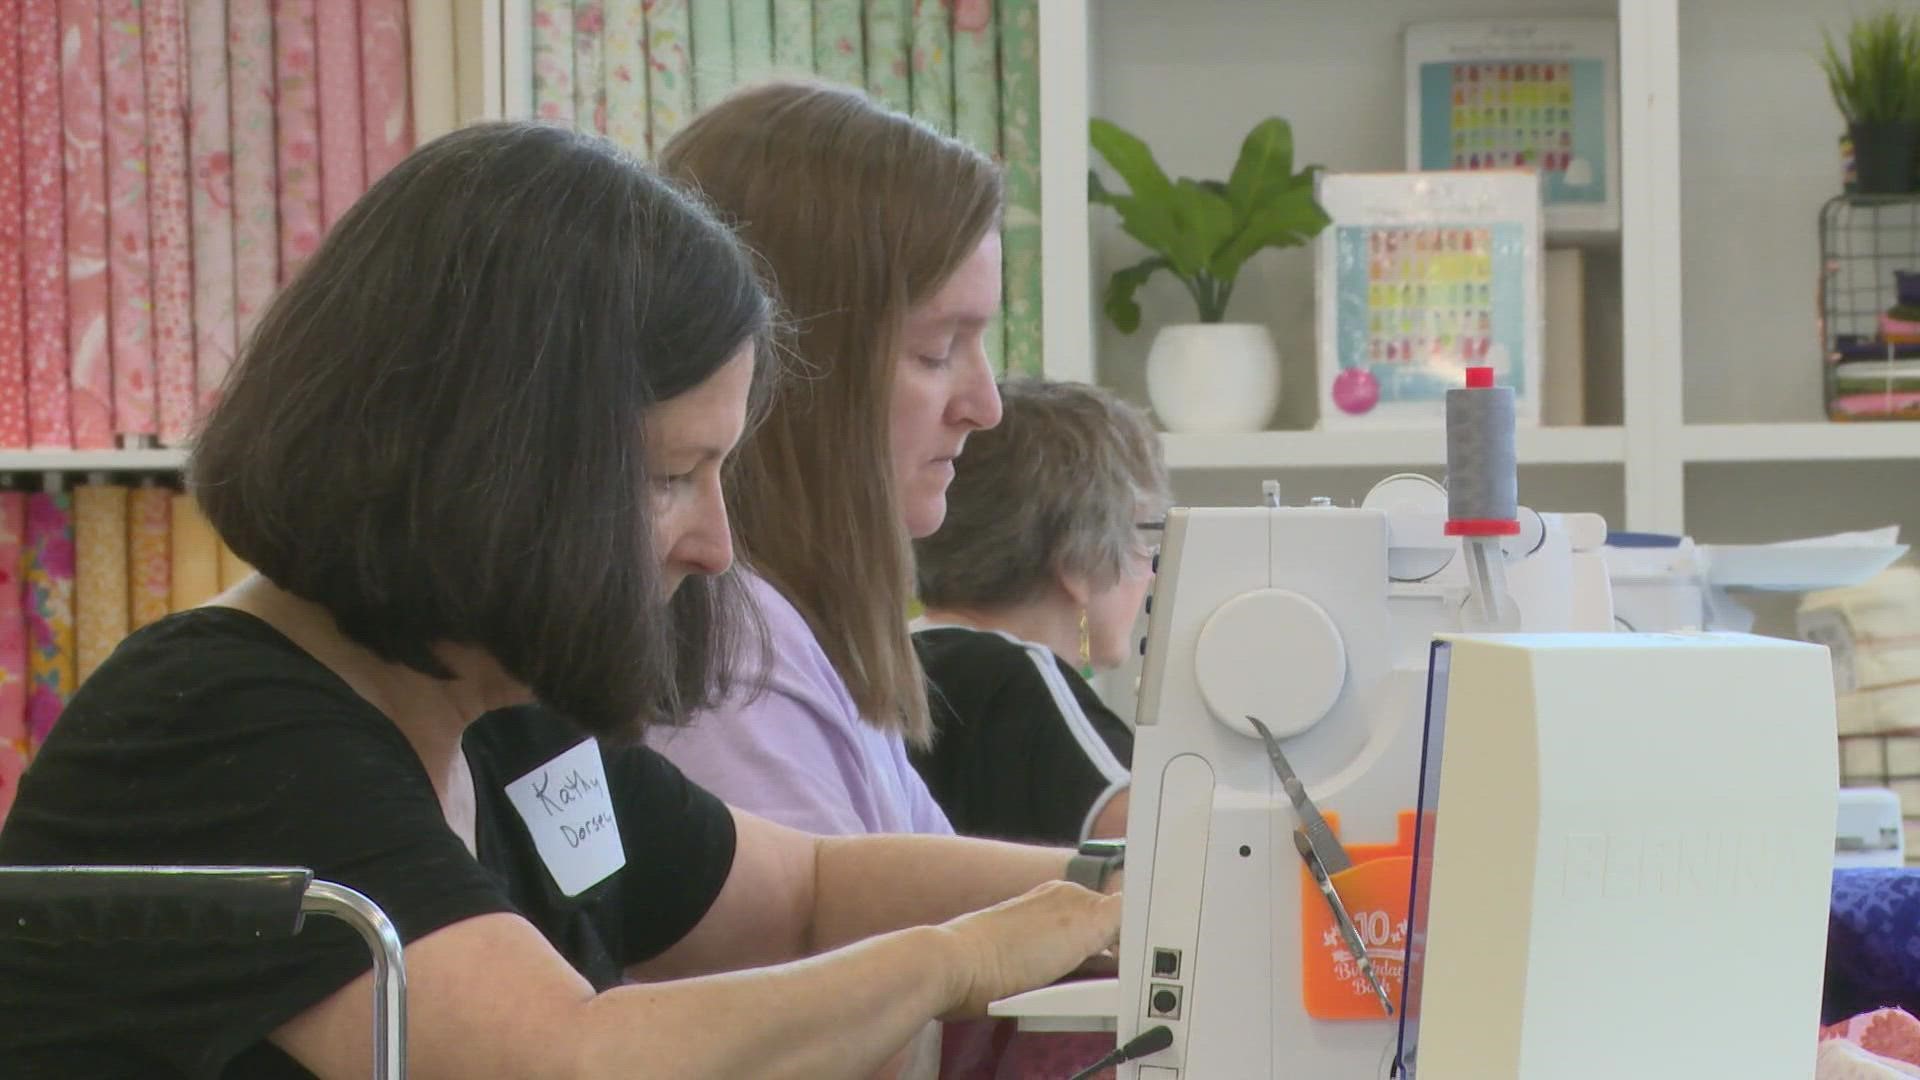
[[1479, 378], [1482, 527]]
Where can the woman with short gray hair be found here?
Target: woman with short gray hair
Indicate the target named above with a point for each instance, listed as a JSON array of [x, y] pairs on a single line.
[[1033, 582]]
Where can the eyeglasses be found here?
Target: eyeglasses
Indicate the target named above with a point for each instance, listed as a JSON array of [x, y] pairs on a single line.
[[1151, 532]]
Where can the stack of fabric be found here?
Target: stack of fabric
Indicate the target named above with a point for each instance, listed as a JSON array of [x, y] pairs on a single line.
[[1878, 378], [1873, 631], [164, 166]]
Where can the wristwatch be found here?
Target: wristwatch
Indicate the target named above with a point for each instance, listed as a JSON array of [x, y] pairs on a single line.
[[1095, 863]]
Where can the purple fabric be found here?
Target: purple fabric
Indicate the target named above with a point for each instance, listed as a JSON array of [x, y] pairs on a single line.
[[800, 754], [1873, 943]]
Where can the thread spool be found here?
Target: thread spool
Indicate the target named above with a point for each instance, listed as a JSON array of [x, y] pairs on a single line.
[[1483, 482]]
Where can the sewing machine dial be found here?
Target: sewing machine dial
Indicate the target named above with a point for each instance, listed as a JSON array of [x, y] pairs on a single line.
[[1272, 653]]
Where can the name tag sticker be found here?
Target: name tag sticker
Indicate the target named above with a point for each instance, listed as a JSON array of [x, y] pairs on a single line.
[[569, 811]]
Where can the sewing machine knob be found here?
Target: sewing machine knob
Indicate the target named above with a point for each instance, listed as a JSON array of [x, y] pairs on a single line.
[[1272, 653], [1530, 538]]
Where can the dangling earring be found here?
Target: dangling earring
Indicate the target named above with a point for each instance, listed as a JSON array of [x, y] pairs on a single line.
[[1086, 647]]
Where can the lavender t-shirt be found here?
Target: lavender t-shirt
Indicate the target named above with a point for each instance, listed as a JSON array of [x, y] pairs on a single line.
[[800, 754]]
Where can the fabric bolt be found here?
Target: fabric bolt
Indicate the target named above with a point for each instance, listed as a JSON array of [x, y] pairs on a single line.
[[256, 209], [83, 124], [42, 229], [210, 210], [165, 406]]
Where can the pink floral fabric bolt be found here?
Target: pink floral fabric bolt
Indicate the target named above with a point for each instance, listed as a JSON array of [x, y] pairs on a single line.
[[625, 42], [387, 113], [297, 133], [50, 643], [13, 285], [669, 69], [256, 209], [553, 60], [43, 228], [210, 177], [13, 621], [589, 66], [343, 171], [168, 194], [83, 122], [129, 258]]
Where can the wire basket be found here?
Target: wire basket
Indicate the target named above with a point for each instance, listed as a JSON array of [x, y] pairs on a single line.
[[1870, 306]]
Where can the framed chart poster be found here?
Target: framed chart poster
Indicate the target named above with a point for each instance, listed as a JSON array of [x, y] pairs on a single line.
[[1537, 94], [1420, 276]]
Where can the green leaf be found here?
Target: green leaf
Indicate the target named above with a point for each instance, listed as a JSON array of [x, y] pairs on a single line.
[[1132, 160], [1291, 219], [1877, 81], [1153, 224], [1265, 166], [1203, 221], [1119, 302]]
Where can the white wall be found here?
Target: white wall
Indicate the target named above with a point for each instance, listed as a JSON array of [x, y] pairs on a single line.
[[1760, 155]]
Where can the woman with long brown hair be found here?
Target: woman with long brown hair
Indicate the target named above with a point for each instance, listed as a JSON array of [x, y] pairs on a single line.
[[882, 237]]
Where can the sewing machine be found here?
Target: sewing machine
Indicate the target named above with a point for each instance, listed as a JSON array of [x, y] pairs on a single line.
[[1316, 619], [1655, 874], [1295, 642]]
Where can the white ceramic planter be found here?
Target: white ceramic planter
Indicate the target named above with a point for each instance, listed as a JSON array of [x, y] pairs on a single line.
[[1214, 377]]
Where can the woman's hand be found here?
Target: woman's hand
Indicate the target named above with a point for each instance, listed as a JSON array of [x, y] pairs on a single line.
[[1028, 942]]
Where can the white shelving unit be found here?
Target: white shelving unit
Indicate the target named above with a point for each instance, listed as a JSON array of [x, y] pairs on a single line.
[[1340, 449], [1816, 441], [1726, 338], [1727, 149], [86, 461]]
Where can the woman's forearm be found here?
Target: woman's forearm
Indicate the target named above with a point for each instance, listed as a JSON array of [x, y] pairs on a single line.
[[836, 1016], [866, 885]]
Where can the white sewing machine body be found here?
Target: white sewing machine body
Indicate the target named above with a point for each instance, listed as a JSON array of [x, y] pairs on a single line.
[[1590, 903], [1292, 615], [1321, 621]]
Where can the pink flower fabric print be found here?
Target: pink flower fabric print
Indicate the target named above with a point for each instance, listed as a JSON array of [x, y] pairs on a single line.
[[43, 232], [553, 60], [210, 212], [129, 262], [297, 133], [336, 73], [13, 621], [256, 212], [168, 194], [387, 116], [83, 116], [625, 42], [589, 67], [13, 285], [669, 68], [50, 643]]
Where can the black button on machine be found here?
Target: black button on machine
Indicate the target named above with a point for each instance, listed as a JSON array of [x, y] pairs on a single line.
[[1165, 1001], [1166, 963]]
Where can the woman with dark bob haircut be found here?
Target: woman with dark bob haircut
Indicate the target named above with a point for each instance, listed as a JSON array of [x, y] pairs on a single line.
[[475, 451]]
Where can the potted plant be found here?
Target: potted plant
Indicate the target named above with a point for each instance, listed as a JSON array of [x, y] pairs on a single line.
[[1209, 375], [1877, 87]]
